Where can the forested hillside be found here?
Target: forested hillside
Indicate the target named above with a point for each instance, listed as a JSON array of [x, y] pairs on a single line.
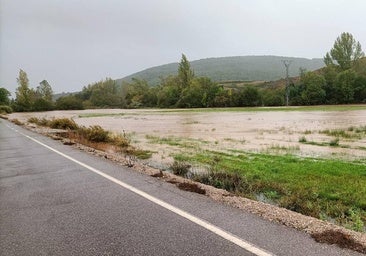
[[215, 82], [240, 68]]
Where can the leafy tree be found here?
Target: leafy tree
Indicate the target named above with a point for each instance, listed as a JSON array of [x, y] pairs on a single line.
[[330, 75], [191, 97], [360, 67], [273, 97], [345, 52], [344, 86], [4, 96], [44, 90], [313, 88], [223, 98], [43, 97], [40, 104], [140, 94], [24, 94], [105, 93], [185, 73], [295, 94], [210, 90], [360, 89], [69, 102], [168, 93], [249, 97]]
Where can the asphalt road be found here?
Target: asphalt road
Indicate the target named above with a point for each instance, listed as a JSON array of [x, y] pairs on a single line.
[[57, 200]]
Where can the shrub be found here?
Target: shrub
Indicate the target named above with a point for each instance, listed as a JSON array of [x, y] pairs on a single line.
[[94, 133], [302, 139], [38, 121], [232, 182], [16, 121], [334, 143], [63, 123], [120, 140], [33, 120], [180, 168], [302, 200], [5, 109]]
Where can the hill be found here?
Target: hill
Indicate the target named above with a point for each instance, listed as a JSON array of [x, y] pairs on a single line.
[[239, 68]]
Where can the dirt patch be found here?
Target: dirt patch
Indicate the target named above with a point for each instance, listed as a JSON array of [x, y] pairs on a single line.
[[191, 187], [339, 238]]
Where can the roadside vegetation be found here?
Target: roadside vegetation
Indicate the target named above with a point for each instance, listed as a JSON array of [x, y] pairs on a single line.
[[328, 189], [94, 136]]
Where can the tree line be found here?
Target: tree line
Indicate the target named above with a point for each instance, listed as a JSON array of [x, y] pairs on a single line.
[[342, 81]]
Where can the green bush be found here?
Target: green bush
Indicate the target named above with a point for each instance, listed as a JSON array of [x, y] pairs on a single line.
[[334, 142], [94, 133], [180, 168], [5, 109], [63, 123], [16, 121], [302, 139], [120, 140], [42, 122], [232, 182]]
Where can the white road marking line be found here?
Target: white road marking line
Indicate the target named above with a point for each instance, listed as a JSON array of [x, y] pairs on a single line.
[[214, 229]]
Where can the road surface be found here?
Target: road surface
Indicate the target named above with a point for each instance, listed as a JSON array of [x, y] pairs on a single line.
[[57, 200]]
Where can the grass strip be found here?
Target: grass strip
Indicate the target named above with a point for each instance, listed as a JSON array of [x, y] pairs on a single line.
[[323, 188]]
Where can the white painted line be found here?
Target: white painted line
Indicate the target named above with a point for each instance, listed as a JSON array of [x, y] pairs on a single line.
[[216, 230]]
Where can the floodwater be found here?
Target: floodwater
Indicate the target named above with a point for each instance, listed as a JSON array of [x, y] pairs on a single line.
[[275, 132]]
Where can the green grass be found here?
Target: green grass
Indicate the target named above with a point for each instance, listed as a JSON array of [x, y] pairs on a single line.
[[315, 187], [87, 115], [175, 141], [269, 109], [349, 133]]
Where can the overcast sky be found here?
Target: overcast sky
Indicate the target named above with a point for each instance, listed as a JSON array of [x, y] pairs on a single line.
[[72, 43]]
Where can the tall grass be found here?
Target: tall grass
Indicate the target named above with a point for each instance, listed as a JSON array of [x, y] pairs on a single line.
[[322, 188], [86, 135]]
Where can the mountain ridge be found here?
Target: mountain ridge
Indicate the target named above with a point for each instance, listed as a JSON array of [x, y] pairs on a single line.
[[232, 68]]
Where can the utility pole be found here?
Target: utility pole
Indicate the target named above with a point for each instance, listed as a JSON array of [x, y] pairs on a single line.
[[287, 64]]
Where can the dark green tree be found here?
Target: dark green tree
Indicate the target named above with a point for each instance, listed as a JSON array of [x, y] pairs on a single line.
[[140, 94], [313, 93], [345, 52], [44, 90], [344, 86], [168, 93], [185, 73], [43, 97], [359, 87], [4, 96], [249, 97], [69, 102], [24, 95], [274, 97]]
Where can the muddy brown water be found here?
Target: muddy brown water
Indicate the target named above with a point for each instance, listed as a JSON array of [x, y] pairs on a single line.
[[275, 132]]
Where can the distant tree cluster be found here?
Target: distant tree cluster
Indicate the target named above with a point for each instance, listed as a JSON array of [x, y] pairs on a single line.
[[27, 98], [187, 91], [342, 81]]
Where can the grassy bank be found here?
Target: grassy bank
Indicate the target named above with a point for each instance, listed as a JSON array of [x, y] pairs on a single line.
[[271, 109], [323, 188]]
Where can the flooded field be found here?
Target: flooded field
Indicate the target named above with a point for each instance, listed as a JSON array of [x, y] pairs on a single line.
[[314, 133], [311, 160]]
